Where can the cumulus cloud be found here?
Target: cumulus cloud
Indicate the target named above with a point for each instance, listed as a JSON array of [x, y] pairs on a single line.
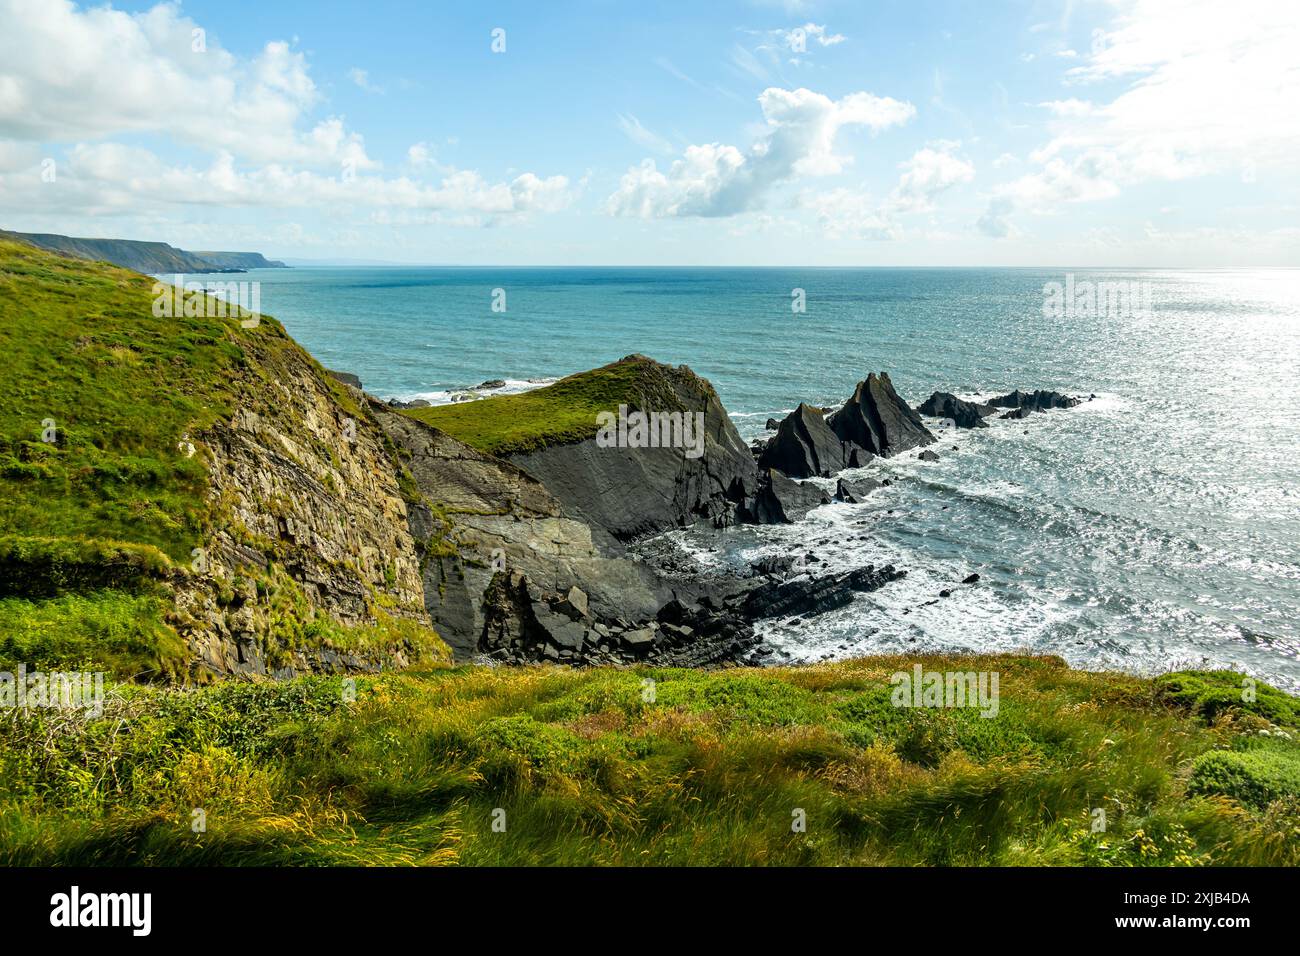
[[932, 170], [112, 178], [714, 179], [928, 173], [1208, 90], [87, 77]]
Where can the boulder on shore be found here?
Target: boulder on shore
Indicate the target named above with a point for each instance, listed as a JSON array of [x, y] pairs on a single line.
[[965, 414], [876, 419], [856, 491], [782, 500]]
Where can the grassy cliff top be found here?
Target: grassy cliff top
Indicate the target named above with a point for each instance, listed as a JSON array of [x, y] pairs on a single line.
[[563, 412], [103, 477], [1076, 768]]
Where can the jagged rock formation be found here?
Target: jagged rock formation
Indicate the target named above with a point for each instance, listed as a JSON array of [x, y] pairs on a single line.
[[309, 522], [965, 414], [877, 420], [527, 623], [805, 447]]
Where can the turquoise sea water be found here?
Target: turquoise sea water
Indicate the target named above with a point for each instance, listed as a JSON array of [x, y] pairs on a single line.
[[1155, 527]]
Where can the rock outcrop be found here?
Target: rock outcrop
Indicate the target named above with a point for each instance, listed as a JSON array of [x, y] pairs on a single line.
[[479, 516], [805, 447], [965, 414], [310, 524], [782, 500], [628, 493], [810, 596], [855, 491], [1039, 400], [877, 420]]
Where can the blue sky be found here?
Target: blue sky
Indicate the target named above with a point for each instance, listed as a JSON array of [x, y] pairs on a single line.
[[754, 133]]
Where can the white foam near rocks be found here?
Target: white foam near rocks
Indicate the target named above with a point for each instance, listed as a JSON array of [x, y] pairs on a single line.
[[450, 396]]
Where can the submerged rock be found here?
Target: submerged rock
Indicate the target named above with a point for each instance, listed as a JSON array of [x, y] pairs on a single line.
[[809, 596], [1039, 400], [965, 414]]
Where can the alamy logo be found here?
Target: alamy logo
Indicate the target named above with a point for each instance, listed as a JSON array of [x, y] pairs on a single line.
[[209, 300], [683, 430], [75, 908], [56, 690], [1086, 299], [922, 688]]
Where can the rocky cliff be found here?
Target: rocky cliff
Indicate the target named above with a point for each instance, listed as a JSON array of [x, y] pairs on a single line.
[[198, 481]]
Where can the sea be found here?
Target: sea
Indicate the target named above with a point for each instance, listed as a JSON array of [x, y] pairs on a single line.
[[1154, 527]]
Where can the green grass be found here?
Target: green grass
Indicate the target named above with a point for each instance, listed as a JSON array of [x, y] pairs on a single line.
[[82, 348], [587, 767], [558, 414]]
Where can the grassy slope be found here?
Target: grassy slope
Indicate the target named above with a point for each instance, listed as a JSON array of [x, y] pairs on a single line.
[[709, 773], [90, 522], [557, 414]]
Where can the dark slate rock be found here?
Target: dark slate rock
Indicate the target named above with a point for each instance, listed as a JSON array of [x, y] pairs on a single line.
[[804, 446], [856, 490], [810, 596], [876, 419], [1039, 401], [965, 414], [928, 456], [781, 500]]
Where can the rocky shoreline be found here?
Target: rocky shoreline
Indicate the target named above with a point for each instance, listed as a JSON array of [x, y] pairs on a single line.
[[526, 558]]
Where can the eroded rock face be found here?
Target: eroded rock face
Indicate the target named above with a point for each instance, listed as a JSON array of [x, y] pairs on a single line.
[[876, 419], [307, 504], [482, 516], [805, 447], [965, 414], [629, 493]]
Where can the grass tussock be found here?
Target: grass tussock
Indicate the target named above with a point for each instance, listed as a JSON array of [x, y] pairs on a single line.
[[540, 765]]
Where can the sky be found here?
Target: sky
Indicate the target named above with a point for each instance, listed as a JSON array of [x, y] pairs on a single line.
[[1142, 133]]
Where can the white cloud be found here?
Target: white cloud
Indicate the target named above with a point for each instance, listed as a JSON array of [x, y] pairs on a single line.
[[419, 155], [69, 75], [847, 213], [85, 77], [1210, 88], [797, 39], [719, 180], [637, 133], [111, 178], [1070, 107], [928, 173], [362, 79]]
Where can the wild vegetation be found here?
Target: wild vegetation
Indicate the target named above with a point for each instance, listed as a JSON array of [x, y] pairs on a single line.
[[542, 765], [556, 414]]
